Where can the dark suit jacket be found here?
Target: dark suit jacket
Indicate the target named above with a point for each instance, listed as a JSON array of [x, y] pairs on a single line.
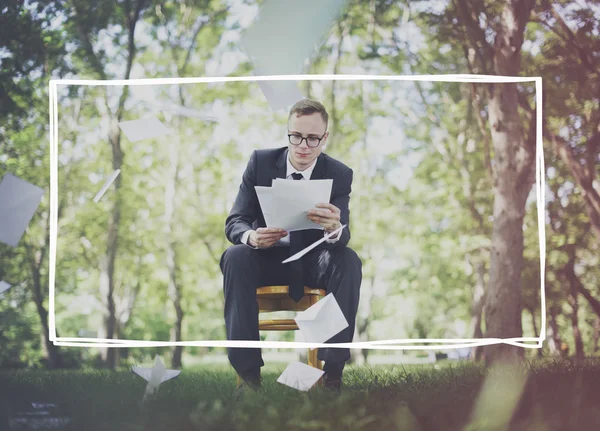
[[266, 165]]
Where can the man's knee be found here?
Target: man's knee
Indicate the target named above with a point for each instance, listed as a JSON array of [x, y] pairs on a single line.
[[351, 259], [236, 255]]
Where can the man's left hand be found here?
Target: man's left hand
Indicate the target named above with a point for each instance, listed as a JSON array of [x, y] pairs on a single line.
[[328, 217]]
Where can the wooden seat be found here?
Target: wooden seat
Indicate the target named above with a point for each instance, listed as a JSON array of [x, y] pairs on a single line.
[[276, 298]]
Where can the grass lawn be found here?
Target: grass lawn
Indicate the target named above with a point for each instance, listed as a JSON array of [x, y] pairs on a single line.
[[456, 396]]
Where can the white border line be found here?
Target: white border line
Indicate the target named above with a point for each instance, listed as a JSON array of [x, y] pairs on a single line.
[[52, 96], [329, 77], [291, 344], [377, 345]]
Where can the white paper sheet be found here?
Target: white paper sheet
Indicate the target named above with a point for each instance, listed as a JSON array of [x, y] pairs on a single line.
[[291, 201], [313, 245], [144, 128], [4, 286], [155, 376], [321, 321], [265, 199], [277, 45], [279, 94], [19, 201], [285, 34], [106, 185], [300, 376]]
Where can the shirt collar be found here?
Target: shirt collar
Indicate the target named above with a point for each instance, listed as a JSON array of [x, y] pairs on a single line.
[[306, 173]]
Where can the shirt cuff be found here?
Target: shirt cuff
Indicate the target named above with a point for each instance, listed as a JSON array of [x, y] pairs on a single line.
[[332, 240], [245, 239]]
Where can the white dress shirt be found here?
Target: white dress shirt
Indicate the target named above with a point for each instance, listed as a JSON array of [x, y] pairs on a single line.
[[306, 173]]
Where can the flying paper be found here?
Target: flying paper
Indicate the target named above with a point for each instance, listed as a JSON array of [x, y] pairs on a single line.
[[187, 112], [155, 376], [321, 321], [279, 94], [107, 185], [300, 376], [4, 286], [145, 128], [20, 200], [282, 39]]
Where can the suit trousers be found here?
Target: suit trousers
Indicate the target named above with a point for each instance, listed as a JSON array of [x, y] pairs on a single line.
[[338, 271]]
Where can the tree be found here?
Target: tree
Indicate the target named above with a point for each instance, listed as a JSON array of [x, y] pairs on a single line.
[[85, 22]]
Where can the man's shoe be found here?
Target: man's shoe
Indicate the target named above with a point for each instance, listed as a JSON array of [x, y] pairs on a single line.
[[332, 382], [332, 379], [249, 383]]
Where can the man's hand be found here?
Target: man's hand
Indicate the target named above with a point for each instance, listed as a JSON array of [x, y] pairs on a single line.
[[265, 237], [328, 217]]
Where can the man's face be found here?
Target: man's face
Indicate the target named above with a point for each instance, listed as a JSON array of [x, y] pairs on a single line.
[[306, 126]]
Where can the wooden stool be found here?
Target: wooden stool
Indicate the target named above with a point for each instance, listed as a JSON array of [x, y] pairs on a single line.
[[276, 298]]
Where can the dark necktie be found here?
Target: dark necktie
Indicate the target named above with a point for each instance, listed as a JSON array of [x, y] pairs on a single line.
[[296, 267]]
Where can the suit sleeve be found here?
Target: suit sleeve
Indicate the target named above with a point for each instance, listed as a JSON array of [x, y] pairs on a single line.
[[341, 199], [245, 208]]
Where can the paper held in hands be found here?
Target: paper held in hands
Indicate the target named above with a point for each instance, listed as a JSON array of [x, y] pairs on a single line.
[[300, 376], [285, 205], [321, 321], [313, 245]]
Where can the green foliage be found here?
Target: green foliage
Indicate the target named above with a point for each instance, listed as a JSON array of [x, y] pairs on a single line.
[[422, 195]]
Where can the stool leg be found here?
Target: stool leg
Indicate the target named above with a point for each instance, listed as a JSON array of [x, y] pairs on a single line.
[[312, 357], [313, 361]]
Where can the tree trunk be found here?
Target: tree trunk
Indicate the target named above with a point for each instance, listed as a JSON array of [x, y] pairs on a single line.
[[554, 340], [107, 263], [584, 181], [579, 352], [596, 336], [174, 289], [51, 353], [107, 275], [477, 310], [568, 273], [535, 329], [514, 158]]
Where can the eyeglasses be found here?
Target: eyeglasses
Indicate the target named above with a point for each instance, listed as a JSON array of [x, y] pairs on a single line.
[[311, 141]]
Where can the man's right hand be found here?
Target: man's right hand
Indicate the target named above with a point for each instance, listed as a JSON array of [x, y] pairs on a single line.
[[265, 237]]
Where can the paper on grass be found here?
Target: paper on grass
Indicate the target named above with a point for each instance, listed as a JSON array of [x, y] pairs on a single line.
[[300, 376], [313, 245], [144, 128], [4, 286], [155, 376], [18, 202], [321, 321], [291, 200]]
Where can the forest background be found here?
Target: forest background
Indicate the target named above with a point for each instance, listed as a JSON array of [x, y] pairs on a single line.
[[443, 207]]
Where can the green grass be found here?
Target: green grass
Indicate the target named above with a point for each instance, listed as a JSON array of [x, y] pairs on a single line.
[[556, 396]]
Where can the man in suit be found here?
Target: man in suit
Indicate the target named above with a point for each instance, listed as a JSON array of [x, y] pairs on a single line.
[[255, 258]]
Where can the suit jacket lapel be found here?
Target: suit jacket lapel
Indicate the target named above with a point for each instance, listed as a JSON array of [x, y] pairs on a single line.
[[281, 166], [280, 169], [318, 172]]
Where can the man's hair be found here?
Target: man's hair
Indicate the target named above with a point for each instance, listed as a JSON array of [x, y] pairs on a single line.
[[307, 107]]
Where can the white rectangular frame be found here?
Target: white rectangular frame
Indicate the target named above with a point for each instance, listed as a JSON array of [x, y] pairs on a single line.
[[397, 344]]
